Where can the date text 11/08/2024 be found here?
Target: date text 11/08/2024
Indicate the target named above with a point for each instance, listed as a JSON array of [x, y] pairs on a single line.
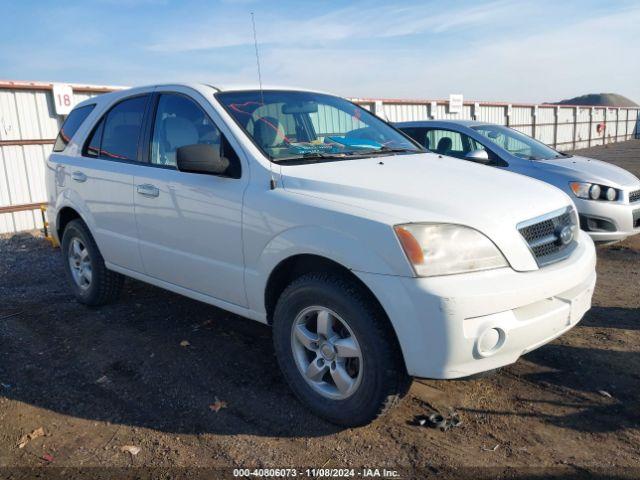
[[317, 472]]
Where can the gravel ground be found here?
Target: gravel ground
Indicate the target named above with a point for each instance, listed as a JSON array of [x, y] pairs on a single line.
[[96, 380]]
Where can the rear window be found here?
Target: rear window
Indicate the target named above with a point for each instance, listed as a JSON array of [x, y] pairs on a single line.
[[71, 126], [117, 134]]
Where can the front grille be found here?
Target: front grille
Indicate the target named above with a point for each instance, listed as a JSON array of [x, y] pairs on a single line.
[[543, 236], [634, 196]]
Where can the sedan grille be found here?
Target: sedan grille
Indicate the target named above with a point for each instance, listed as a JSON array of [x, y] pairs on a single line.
[[550, 237], [634, 196]]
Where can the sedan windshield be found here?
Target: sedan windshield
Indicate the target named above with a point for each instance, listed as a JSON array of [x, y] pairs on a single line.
[[517, 143], [290, 126]]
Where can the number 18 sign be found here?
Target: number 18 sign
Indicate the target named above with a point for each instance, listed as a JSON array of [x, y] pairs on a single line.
[[62, 98]]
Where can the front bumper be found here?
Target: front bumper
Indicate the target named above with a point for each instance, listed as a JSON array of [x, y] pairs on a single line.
[[447, 326], [623, 217]]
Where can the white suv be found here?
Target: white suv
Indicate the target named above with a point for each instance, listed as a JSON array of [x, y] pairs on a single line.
[[374, 260]]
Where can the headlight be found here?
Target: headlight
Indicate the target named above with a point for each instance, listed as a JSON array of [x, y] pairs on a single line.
[[445, 249], [593, 191]]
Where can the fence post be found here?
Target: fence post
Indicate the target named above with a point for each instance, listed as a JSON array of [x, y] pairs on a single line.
[[433, 106], [555, 126], [534, 120], [575, 126], [378, 109], [626, 124], [590, 126]]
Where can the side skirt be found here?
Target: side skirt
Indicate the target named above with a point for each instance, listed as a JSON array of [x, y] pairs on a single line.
[[216, 302]]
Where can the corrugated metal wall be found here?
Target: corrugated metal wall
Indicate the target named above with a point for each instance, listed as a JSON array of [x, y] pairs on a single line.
[[563, 127], [29, 125]]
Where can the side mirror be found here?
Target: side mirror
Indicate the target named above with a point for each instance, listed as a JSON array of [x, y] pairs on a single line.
[[201, 158], [479, 156]]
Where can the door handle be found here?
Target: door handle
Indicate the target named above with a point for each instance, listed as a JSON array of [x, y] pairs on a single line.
[[148, 190], [79, 177]]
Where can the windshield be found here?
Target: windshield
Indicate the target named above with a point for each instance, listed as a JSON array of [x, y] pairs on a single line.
[[295, 126], [517, 143]]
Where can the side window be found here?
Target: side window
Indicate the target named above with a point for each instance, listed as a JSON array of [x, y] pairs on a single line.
[[92, 147], [122, 129], [494, 160], [474, 144], [117, 134], [419, 134], [179, 121], [71, 126], [446, 142], [456, 144]]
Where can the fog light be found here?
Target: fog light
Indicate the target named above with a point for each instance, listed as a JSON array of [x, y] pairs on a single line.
[[490, 341]]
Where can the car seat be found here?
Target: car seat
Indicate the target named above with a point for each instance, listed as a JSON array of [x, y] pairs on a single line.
[[268, 132], [444, 146]]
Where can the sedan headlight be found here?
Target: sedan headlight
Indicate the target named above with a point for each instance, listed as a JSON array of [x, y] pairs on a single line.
[[445, 249], [593, 191]]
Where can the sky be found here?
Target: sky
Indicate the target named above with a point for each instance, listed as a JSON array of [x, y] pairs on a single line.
[[493, 50]]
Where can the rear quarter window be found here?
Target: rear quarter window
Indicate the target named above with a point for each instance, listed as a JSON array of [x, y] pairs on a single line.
[[116, 135], [71, 126]]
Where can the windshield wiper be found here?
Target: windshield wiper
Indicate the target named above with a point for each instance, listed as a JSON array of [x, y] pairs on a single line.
[[386, 150], [312, 157]]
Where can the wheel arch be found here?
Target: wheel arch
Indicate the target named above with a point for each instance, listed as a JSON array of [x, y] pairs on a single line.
[[65, 215], [310, 245], [298, 265]]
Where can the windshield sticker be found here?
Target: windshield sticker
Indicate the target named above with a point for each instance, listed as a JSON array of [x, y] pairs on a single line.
[[356, 142]]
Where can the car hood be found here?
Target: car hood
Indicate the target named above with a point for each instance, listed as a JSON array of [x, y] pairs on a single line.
[[591, 170], [432, 188]]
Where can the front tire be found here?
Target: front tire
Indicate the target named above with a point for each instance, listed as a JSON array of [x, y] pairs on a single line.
[[337, 350], [92, 283]]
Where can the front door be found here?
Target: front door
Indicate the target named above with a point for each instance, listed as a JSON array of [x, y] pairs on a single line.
[[189, 224]]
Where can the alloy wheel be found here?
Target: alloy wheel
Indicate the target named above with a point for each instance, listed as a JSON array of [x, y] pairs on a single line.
[[326, 352], [80, 263]]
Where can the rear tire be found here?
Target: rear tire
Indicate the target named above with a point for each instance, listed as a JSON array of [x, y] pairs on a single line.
[[92, 283], [354, 372]]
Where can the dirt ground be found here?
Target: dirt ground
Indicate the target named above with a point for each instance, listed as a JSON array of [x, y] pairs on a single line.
[[96, 380]]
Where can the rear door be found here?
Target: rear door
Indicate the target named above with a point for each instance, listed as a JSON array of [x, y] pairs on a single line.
[[103, 179], [189, 224]]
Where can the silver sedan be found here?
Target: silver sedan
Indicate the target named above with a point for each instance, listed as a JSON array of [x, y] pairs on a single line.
[[607, 197]]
